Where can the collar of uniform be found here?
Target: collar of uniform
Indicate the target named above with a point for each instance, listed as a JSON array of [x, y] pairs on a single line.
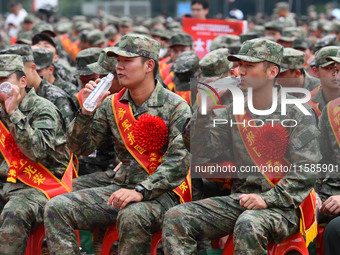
[[319, 97], [277, 110], [156, 98], [310, 82], [27, 102]]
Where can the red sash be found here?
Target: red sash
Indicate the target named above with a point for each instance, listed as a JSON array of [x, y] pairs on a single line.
[[313, 104], [308, 224], [80, 97], [333, 111], [165, 71], [163, 62], [149, 161], [34, 174], [168, 81]]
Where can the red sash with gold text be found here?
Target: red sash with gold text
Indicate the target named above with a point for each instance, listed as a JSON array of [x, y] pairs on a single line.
[[149, 161], [308, 224], [333, 111], [34, 174]]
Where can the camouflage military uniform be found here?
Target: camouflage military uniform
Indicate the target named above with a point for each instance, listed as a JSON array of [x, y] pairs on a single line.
[[231, 42], [89, 206], [52, 93], [37, 128], [215, 217]]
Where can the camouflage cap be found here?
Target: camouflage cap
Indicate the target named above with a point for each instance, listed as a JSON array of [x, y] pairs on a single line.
[[105, 64], [140, 30], [302, 43], [22, 50], [257, 50], [324, 56], [336, 58], [181, 38], [10, 63], [111, 20], [328, 40], [125, 22], [259, 30], [42, 58], [95, 37], [44, 37], [134, 45], [95, 22], [29, 18], [158, 32], [43, 27], [24, 38], [185, 62], [290, 33], [273, 25], [174, 26], [215, 63], [109, 31], [78, 18], [81, 26], [336, 26], [158, 19], [225, 41], [292, 60], [63, 27], [248, 36], [282, 6], [85, 57]]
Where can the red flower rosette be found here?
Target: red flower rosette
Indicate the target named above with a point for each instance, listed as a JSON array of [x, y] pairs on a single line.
[[151, 132], [17, 155], [272, 141]]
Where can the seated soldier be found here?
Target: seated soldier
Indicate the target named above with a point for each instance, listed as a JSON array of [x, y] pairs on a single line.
[[263, 206], [34, 156], [141, 190]]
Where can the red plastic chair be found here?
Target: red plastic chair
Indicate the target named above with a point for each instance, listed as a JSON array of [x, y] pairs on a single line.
[[294, 242], [36, 239], [111, 236]]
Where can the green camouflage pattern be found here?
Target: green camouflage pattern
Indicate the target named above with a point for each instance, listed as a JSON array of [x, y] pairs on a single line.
[[109, 31], [292, 60], [30, 18], [336, 58], [135, 45], [25, 38], [323, 56], [71, 89], [90, 131], [43, 27], [82, 26], [174, 26], [226, 41], [282, 5], [59, 98], [320, 99], [215, 63], [302, 43], [42, 58], [22, 50], [85, 57], [10, 63], [106, 63], [158, 32], [215, 217], [329, 185], [259, 30], [111, 20], [258, 50], [275, 25], [328, 40], [62, 69], [39, 131], [142, 30], [246, 37], [125, 22], [336, 26], [185, 62], [95, 37], [181, 38]]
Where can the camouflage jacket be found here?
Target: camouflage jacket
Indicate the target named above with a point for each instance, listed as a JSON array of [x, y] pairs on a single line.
[[319, 98], [310, 82], [303, 148], [63, 72], [37, 128], [59, 98], [69, 88], [328, 184], [87, 132]]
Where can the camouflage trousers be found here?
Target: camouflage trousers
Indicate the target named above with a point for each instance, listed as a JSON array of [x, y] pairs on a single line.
[[22, 212], [186, 224], [87, 210]]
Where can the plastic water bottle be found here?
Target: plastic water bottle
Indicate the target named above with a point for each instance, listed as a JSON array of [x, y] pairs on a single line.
[[6, 87], [98, 93]]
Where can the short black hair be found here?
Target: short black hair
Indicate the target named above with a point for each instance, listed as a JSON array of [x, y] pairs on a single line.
[[204, 3], [13, 4], [19, 74], [155, 70]]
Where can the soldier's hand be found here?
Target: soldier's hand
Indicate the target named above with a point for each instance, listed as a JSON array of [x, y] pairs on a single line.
[[331, 205], [12, 100], [89, 87], [252, 202], [122, 197]]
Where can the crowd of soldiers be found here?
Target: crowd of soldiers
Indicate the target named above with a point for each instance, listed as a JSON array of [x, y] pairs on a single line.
[[44, 129]]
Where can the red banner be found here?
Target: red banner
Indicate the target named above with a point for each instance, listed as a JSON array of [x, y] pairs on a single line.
[[203, 31]]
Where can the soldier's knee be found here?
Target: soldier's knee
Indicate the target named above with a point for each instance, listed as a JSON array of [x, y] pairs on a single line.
[[130, 215], [53, 206], [174, 215], [246, 224]]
